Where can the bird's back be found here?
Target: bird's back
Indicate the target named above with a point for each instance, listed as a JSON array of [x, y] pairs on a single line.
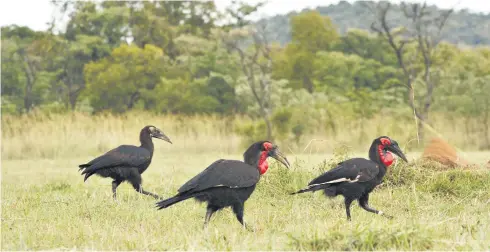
[[118, 162], [124, 155], [223, 173]]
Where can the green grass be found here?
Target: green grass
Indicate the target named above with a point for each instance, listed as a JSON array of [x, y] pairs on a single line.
[[46, 205]]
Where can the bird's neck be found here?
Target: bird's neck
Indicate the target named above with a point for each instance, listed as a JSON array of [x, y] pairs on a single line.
[[262, 165], [146, 142], [258, 160], [380, 156]]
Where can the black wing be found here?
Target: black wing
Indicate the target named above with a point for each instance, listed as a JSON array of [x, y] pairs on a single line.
[[124, 156], [228, 173], [352, 170]]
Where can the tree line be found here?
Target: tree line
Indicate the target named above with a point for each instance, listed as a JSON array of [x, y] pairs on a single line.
[[190, 58], [464, 27]]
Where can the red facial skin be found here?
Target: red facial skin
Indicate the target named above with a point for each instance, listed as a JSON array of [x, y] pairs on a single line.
[[387, 158], [263, 165]]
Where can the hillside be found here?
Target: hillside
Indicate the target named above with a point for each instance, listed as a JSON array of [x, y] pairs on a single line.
[[463, 27]]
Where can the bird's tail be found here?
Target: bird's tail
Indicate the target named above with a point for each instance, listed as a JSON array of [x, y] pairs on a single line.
[[170, 201], [85, 168], [310, 189]]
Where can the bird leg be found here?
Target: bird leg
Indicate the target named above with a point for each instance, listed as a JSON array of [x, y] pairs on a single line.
[[209, 212], [115, 184], [136, 183], [139, 188], [238, 210], [348, 202], [147, 193], [364, 203]]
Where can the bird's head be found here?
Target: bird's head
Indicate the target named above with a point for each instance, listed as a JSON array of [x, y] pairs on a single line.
[[385, 144], [156, 133], [258, 153]]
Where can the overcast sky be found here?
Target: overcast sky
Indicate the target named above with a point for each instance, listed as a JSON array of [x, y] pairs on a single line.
[[36, 13]]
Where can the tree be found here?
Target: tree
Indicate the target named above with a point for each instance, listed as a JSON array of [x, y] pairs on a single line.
[[24, 48], [256, 60], [424, 34], [256, 67], [364, 83], [366, 45], [238, 13], [311, 33], [118, 82], [465, 93], [12, 76], [68, 59], [108, 20]]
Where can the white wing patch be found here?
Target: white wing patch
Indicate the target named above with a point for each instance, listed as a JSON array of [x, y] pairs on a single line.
[[221, 185], [339, 180]]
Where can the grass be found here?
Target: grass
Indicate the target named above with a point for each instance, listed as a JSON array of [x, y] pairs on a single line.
[[46, 205], [55, 136]]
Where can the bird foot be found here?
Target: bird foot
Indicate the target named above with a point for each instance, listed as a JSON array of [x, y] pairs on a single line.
[[385, 215], [249, 228]]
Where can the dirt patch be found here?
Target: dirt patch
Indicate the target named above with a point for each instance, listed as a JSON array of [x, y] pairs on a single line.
[[442, 152]]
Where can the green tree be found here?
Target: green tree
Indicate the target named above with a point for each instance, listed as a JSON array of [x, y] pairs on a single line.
[[117, 82], [366, 45], [365, 83], [108, 20], [24, 79], [422, 36], [256, 68], [465, 93], [311, 33]]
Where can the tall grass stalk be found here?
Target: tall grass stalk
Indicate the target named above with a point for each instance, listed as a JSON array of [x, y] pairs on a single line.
[[38, 135]]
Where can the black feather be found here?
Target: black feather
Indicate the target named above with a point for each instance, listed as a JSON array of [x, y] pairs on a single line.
[[224, 183], [124, 163], [354, 178]]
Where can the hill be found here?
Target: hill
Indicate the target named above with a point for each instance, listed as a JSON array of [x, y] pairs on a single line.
[[463, 27]]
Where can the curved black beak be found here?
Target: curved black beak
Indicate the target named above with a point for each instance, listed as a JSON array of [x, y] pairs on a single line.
[[397, 151], [162, 136], [277, 155]]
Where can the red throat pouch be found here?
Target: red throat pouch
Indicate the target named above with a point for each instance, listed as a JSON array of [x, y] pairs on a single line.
[[263, 165], [386, 158]]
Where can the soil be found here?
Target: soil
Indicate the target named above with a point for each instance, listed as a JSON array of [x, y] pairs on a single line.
[[442, 152]]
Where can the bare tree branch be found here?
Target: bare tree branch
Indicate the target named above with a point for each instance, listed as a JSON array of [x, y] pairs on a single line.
[[256, 65], [420, 32]]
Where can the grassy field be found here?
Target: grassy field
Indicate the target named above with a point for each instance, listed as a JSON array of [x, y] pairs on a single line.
[[46, 205]]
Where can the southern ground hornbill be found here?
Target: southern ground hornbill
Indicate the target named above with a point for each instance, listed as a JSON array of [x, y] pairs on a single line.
[[357, 177], [228, 183], [126, 162]]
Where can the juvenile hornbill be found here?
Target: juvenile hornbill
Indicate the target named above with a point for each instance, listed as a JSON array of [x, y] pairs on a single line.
[[126, 162], [228, 182], [357, 177]]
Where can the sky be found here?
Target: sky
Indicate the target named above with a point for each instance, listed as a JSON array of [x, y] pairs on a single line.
[[36, 13]]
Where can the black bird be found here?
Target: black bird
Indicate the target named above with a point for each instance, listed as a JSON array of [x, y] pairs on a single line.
[[357, 177], [228, 183], [126, 162]]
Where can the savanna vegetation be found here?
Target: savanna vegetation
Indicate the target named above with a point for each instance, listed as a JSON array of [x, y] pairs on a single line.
[[465, 26], [215, 82]]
